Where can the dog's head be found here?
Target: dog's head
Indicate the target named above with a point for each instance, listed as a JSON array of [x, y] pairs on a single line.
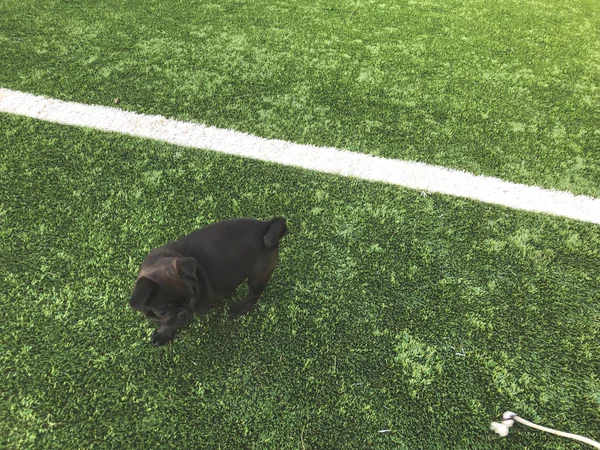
[[166, 290]]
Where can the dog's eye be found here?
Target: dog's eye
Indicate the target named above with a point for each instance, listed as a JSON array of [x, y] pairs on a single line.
[[162, 312]]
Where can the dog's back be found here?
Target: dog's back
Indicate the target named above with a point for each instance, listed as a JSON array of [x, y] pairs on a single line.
[[228, 251], [236, 233]]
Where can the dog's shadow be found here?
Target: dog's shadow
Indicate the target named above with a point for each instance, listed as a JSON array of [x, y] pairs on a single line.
[[217, 318]]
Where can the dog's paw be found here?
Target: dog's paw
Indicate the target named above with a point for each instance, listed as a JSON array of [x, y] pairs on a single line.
[[159, 339], [239, 309]]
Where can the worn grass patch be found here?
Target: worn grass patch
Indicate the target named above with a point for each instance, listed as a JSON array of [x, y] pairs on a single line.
[[508, 89], [424, 315]]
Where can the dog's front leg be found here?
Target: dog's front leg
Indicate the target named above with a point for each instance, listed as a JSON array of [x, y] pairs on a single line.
[[163, 335]]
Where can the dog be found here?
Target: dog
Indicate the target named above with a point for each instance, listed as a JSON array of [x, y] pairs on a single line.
[[184, 277]]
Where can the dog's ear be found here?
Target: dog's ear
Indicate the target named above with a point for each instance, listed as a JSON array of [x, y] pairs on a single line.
[[144, 287], [186, 267]]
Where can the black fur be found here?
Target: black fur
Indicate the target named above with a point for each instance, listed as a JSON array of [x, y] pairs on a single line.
[[185, 277]]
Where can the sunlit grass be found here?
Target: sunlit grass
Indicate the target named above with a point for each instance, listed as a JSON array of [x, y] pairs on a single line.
[[508, 89], [424, 315]]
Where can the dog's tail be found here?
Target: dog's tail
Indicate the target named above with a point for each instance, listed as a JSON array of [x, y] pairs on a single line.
[[277, 230]]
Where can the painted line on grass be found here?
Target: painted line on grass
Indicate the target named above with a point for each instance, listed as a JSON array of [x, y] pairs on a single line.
[[415, 175]]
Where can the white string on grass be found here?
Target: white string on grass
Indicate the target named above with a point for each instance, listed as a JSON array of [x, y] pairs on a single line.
[[508, 420]]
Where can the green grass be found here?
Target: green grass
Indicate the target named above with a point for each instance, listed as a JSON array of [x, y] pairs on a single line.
[[377, 290], [507, 88]]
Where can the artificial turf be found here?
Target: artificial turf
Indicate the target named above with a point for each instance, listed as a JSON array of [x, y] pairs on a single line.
[[424, 315], [507, 88]]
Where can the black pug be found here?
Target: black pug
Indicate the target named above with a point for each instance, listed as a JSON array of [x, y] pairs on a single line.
[[186, 276]]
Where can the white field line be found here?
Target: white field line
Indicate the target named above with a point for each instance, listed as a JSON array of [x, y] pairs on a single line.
[[415, 175]]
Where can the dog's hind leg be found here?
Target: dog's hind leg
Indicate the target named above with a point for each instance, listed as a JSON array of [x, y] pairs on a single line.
[[257, 282]]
